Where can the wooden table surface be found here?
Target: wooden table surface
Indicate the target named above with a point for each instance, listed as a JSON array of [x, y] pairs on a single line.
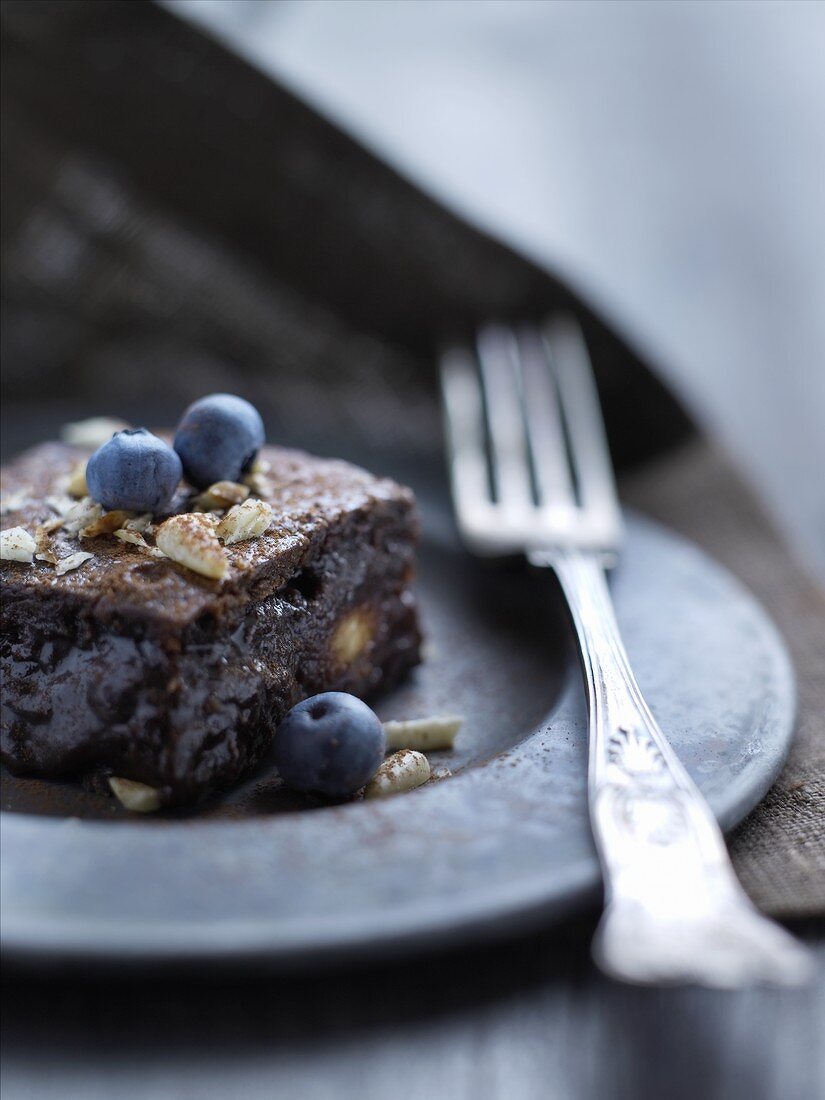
[[529, 1018]]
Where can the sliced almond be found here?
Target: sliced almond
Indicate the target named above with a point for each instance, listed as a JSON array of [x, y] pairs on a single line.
[[60, 503], [127, 535], [81, 515], [140, 523], [403, 771], [45, 550], [245, 521], [106, 524], [140, 798], [73, 561], [16, 544], [259, 480], [76, 483], [260, 466], [91, 432], [223, 494], [423, 733], [135, 538], [13, 502], [190, 540]]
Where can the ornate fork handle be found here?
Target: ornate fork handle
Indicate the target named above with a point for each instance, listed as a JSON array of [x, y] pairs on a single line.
[[674, 908]]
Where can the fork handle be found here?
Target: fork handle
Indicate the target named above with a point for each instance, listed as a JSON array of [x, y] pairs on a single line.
[[665, 865]]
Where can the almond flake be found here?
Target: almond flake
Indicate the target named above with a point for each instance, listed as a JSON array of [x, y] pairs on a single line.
[[139, 523], [91, 432], [52, 525], [402, 771], [76, 484], [13, 502], [423, 733], [260, 466], [81, 515], [245, 521], [127, 535], [190, 540], [45, 550], [16, 544], [223, 494], [258, 482], [60, 503], [105, 524], [73, 561], [140, 798]]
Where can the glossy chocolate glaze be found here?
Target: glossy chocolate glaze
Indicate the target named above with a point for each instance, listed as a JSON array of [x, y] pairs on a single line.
[[138, 667]]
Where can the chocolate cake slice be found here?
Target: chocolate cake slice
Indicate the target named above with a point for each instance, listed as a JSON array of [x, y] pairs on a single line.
[[170, 653]]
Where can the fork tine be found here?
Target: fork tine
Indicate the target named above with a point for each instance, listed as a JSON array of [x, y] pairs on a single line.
[[501, 381], [544, 426], [464, 421], [585, 427]]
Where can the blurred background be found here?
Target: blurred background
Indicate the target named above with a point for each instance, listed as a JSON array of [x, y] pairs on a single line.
[[668, 158], [173, 225]]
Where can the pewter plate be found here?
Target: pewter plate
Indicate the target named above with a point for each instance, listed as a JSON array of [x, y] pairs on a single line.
[[503, 843]]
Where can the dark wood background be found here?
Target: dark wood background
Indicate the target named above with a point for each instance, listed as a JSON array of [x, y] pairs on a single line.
[[528, 1019]]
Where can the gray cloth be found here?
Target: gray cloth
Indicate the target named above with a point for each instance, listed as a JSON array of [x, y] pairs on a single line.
[[779, 850]]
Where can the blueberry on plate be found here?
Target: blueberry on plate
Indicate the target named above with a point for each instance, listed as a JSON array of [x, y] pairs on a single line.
[[135, 471], [332, 743], [218, 438]]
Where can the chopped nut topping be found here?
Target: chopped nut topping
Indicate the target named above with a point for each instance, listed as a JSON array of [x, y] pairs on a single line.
[[91, 432], [76, 483], [11, 502], [245, 521], [140, 798], [140, 523], [223, 494], [81, 515], [16, 544], [400, 772], [260, 466], [73, 561], [190, 540], [135, 538], [423, 733], [45, 550], [258, 479], [352, 636], [106, 524], [60, 503], [127, 535]]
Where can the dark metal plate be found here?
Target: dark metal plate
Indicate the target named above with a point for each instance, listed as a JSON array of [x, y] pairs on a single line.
[[504, 840]]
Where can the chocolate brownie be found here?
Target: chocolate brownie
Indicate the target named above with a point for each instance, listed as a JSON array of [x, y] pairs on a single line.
[[133, 664]]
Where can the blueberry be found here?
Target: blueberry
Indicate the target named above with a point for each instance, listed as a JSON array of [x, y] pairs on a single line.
[[218, 438], [135, 471], [331, 743]]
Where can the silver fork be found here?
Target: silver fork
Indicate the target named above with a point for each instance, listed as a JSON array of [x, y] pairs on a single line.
[[531, 473]]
